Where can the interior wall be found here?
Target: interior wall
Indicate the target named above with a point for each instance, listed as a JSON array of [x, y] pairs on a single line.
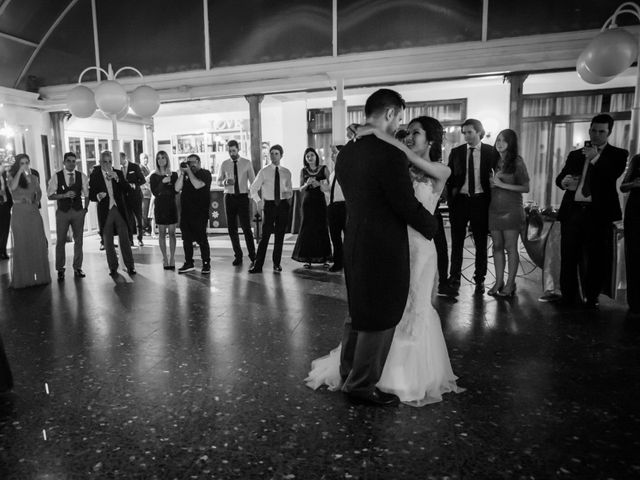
[[29, 124]]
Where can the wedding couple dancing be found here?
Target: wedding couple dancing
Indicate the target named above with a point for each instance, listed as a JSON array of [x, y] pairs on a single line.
[[392, 348]]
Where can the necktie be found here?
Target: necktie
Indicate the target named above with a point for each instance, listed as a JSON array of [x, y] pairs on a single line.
[[72, 179], [586, 185], [276, 187], [471, 172], [333, 188], [236, 184]]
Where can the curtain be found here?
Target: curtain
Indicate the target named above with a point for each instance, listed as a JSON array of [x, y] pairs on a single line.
[[535, 152], [57, 128]]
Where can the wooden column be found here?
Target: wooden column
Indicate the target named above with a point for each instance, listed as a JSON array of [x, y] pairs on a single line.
[[515, 101], [255, 124], [339, 115]]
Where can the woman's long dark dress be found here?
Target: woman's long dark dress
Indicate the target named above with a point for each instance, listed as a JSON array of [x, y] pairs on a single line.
[[165, 208], [313, 244]]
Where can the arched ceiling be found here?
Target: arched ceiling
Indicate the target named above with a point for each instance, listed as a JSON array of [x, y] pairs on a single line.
[[45, 43]]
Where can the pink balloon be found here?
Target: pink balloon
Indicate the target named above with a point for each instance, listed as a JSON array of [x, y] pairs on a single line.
[[111, 97], [611, 52], [145, 101], [587, 75], [81, 101]]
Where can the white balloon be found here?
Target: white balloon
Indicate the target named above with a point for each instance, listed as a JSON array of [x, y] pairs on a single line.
[[611, 52], [81, 101], [586, 74], [145, 101], [111, 97]]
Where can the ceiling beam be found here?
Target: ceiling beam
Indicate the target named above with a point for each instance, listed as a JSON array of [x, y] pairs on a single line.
[[460, 60], [4, 6], [18, 39], [42, 42]]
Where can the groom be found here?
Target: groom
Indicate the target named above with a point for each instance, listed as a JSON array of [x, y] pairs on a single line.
[[380, 202]]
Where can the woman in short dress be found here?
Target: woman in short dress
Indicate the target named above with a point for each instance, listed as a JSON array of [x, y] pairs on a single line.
[[313, 244], [30, 262], [162, 183], [506, 212]]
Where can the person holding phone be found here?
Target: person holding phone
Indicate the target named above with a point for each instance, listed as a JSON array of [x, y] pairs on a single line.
[[163, 186], [589, 207], [108, 188]]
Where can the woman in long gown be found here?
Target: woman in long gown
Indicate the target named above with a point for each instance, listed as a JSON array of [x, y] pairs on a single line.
[[165, 209], [30, 262], [417, 369], [313, 245]]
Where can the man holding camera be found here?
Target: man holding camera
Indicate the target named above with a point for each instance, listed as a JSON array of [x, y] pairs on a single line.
[[236, 175], [194, 182], [589, 207]]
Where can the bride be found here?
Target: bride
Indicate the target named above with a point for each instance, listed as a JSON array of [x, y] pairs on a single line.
[[417, 369]]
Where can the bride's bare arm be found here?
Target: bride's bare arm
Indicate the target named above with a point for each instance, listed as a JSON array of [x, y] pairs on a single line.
[[438, 171]]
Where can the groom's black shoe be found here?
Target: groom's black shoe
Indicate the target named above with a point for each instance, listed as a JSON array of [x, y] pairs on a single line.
[[376, 398]]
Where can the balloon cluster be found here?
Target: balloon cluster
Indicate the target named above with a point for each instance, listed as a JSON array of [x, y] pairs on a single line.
[[112, 99], [610, 53]]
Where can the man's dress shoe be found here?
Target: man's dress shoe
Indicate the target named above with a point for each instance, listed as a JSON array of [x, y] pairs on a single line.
[[277, 268], [376, 398], [255, 269]]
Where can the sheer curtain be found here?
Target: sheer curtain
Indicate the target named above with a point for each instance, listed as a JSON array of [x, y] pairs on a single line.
[[535, 150]]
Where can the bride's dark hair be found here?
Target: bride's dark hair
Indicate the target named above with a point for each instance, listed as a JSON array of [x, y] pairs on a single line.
[[434, 133]]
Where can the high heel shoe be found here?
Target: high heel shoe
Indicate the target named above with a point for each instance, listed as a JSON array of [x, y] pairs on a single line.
[[495, 290], [508, 294]]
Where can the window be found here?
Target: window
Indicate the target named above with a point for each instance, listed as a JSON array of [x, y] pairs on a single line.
[[450, 113]]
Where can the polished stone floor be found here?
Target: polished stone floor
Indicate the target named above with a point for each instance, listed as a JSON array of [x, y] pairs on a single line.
[[189, 376]]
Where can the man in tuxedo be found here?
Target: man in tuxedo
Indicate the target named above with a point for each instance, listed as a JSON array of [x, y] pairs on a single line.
[[134, 177], [380, 203], [6, 202], [468, 197], [336, 213], [67, 187], [589, 206], [108, 187]]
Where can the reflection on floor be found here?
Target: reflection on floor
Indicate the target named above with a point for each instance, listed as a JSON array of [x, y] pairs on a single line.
[[189, 376]]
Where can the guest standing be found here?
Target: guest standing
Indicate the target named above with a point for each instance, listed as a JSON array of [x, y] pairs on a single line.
[[469, 195], [274, 184], [631, 184], [236, 175], [6, 202], [589, 207], [312, 245], [135, 178], [336, 213], [506, 212], [163, 186], [30, 263], [67, 187], [146, 193], [108, 187], [195, 183]]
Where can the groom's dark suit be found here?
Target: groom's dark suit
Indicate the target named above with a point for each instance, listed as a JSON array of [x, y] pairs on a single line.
[[586, 227], [380, 203]]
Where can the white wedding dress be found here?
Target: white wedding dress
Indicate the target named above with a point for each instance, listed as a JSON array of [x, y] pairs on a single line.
[[417, 369]]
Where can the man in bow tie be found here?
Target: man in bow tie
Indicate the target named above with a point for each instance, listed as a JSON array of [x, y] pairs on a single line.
[[67, 187]]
